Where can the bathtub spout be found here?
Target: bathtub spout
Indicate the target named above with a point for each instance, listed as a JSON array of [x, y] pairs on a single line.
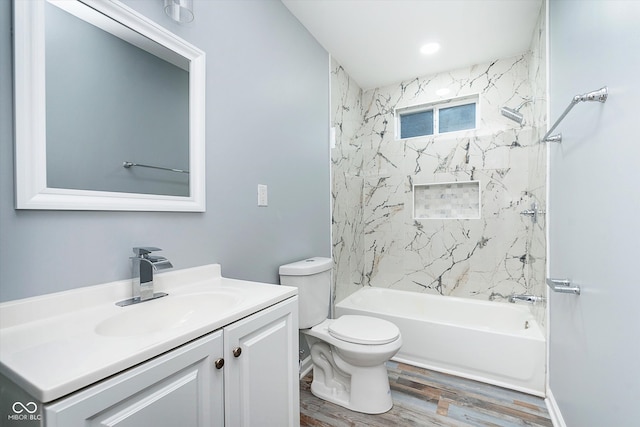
[[531, 299]]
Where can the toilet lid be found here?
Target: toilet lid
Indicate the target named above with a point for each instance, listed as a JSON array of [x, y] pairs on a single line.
[[363, 330]]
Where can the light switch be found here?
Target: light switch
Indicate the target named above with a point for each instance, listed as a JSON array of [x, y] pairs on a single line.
[[262, 195]]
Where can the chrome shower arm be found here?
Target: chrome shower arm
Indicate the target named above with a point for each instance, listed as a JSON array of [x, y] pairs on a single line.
[[599, 95], [525, 102]]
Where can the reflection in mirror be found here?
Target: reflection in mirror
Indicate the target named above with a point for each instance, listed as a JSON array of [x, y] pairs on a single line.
[[118, 90], [108, 101]]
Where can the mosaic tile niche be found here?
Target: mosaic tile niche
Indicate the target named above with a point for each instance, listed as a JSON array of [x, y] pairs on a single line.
[[453, 200]]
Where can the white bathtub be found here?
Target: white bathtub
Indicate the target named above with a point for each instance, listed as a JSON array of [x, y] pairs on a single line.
[[497, 343]]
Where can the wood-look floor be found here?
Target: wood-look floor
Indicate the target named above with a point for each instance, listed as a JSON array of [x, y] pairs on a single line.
[[427, 398]]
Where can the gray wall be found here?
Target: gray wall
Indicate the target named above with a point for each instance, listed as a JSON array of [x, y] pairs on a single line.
[[594, 204], [267, 123]]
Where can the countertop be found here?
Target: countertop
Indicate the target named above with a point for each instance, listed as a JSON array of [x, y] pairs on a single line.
[[55, 344]]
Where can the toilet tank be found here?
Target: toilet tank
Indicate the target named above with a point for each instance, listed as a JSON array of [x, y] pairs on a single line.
[[312, 277]]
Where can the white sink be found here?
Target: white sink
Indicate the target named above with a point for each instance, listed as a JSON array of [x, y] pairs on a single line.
[[53, 345], [169, 312]]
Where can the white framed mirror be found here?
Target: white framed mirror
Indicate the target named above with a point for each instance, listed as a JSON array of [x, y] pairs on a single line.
[[109, 110]]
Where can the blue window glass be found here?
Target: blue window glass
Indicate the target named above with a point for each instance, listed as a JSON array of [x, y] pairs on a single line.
[[416, 124], [457, 118]]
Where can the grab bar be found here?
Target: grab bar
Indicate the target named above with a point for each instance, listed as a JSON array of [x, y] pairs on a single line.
[[599, 95], [130, 164], [563, 286]]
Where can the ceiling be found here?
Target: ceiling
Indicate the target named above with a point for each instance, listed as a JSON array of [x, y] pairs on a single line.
[[378, 41]]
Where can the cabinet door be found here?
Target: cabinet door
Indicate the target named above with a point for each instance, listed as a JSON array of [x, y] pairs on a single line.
[[261, 378], [180, 388]]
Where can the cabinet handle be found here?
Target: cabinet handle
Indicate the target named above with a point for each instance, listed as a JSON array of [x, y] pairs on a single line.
[[219, 363], [237, 352]]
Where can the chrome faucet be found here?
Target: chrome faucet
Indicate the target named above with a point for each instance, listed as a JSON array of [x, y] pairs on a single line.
[[143, 266], [531, 299]]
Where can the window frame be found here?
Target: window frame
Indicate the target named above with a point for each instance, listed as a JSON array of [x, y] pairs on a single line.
[[436, 107]]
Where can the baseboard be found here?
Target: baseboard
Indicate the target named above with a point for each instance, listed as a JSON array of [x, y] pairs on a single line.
[[554, 410], [305, 366]]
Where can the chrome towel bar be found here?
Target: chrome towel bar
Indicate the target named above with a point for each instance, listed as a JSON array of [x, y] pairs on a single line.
[[130, 164]]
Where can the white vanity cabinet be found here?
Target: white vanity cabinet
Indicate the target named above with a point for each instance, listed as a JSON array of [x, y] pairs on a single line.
[[180, 388], [261, 369], [245, 374]]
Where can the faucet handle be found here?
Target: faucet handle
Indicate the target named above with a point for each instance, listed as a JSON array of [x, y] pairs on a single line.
[[144, 250]]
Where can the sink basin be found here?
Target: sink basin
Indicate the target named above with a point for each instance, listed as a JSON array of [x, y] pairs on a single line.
[[165, 313]]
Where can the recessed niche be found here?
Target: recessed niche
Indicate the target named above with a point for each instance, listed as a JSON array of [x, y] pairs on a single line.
[[447, 200]]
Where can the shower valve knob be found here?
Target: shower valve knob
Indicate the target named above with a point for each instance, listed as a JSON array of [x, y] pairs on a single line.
[[237, 351]]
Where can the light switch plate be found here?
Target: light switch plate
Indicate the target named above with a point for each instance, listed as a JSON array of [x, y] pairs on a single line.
[[262, 195]]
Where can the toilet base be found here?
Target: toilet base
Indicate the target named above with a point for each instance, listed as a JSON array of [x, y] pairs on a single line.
[[351, 375], [367, 390]]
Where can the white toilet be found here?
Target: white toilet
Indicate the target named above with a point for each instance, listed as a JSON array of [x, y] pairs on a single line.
[[348, 353]]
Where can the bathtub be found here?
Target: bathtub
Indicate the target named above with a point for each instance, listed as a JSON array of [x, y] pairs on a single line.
[[496, 343]]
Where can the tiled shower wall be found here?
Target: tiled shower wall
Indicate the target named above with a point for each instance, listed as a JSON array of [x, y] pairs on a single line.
[[377, 241], [536, 237]]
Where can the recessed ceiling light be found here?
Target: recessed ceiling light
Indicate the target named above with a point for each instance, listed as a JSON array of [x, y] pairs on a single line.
[[430, 48]]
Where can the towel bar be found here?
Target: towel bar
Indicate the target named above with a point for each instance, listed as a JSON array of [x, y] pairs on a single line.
[[130, 164]]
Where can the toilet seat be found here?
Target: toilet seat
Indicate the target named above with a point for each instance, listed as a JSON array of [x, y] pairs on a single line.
[[363, 330]]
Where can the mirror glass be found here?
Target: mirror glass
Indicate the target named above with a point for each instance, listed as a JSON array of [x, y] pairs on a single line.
[[120, 103], [109, 102]]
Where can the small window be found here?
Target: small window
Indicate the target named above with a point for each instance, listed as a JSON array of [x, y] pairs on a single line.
[[416, 124], [436, 118], [460, 117]]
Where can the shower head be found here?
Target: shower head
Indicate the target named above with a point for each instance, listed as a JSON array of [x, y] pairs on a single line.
[[512, 114]]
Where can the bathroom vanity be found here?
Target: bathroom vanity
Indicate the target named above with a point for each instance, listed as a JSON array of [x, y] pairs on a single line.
[[214, 352]]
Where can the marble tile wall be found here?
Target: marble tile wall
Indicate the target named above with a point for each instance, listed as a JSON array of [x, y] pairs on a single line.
[[376, 240], [347, 184], [537, 238]]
